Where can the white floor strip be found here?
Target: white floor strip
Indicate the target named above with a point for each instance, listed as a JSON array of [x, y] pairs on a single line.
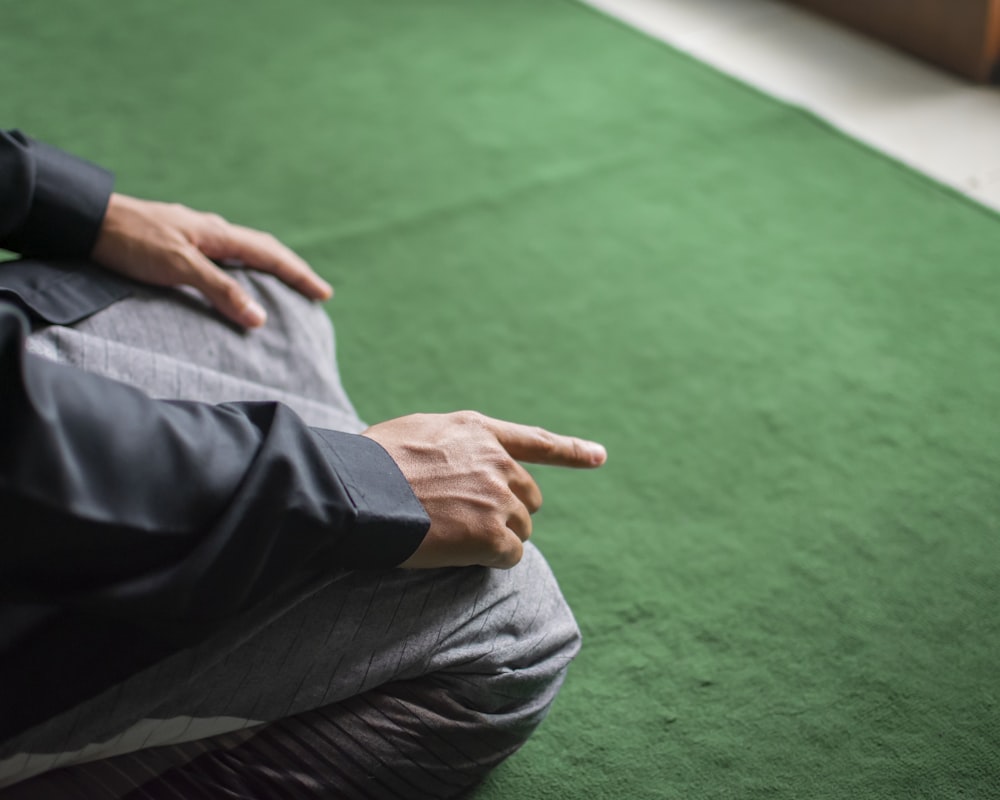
[[939, 124]]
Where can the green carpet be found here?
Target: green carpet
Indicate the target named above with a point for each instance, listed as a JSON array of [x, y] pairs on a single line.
[[788, 574]]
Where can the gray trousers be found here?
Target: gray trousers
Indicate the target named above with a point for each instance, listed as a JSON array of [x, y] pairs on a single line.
[[391, 684]]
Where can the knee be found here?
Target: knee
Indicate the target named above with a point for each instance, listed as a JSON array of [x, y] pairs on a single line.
[[542, 633], [490, 699], [532, 638]]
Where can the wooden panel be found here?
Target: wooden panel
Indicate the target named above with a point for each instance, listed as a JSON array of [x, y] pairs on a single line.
[[992, 47], [961, 35]]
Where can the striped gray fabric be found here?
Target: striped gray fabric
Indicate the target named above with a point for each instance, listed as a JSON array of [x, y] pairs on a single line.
[[168, 343], [391, 684]]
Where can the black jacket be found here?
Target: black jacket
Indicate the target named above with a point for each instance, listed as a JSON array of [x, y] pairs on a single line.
[[131, 526]]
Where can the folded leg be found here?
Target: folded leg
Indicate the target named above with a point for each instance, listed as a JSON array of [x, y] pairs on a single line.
[[382, 684]]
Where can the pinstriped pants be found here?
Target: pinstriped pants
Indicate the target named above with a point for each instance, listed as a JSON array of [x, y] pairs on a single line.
[[392, 684]]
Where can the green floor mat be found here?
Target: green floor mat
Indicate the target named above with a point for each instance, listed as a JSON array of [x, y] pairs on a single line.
[[788, 573]]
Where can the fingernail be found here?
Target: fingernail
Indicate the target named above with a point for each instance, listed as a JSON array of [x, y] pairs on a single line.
[[327, 289], [598, 455], [254, 315]]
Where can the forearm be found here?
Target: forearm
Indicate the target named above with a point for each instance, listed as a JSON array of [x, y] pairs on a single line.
[[51, 203], [154, 511]]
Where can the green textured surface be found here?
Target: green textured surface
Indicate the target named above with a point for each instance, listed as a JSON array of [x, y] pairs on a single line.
[[787, 574]]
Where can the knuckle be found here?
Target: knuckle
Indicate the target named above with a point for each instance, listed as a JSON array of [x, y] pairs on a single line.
[[502, 461], [468, 417], [180, 258], [179, 209], [509, 553], [545, 441], [234, 294], [231, 292], [497, 538], [535, 502], [498, 487]]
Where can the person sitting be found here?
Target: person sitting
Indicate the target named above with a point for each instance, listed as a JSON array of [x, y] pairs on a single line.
[[216, 580]]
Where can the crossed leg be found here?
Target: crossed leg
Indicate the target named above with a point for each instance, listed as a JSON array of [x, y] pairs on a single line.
[[385, 684]]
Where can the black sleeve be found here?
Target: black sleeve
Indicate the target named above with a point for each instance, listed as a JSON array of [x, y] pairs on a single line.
[[51, 203], [157, 511]]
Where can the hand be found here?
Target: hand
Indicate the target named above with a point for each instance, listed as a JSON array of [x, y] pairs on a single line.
[[169, 245], [463, 468]]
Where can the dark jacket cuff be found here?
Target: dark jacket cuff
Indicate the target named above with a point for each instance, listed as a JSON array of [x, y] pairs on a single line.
[[68, 199], [391, 523]]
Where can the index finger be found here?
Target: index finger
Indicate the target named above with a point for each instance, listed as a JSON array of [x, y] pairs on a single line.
[[539, 446]]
